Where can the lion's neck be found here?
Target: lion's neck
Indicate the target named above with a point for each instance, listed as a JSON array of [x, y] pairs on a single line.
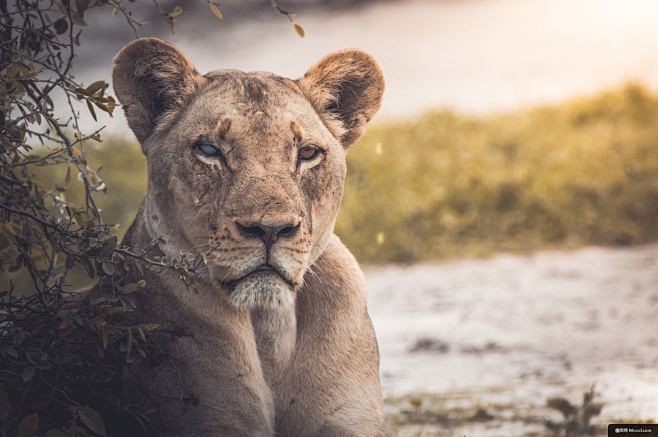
[[275, 329]]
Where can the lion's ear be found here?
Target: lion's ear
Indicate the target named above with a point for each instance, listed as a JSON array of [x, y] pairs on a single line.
[[152, 79], [346, 89]]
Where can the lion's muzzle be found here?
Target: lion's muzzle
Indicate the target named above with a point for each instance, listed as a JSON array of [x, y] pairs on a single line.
[[269, 231]]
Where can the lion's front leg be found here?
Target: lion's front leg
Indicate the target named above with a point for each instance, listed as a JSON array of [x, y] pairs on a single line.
[[209, 381], [231, 395], [332, 387]]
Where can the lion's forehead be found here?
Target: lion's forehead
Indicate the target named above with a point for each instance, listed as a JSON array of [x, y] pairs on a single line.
[[261, 108], [249, 94]]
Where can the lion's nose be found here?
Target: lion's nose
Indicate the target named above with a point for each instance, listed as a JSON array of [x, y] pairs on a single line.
[[267, 233]]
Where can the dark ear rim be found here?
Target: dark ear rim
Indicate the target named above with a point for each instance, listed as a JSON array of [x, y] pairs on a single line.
[[346, 88], [151, 79]]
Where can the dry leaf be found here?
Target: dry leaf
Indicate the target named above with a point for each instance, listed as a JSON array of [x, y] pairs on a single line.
[[299, 29]]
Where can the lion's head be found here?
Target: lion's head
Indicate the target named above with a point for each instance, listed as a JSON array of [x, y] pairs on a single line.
[[247, 168]]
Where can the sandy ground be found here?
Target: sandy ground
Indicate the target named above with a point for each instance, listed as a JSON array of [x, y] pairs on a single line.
[[507, 333]]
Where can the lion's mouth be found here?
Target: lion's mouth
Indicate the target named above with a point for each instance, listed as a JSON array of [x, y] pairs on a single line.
[[263, 269]]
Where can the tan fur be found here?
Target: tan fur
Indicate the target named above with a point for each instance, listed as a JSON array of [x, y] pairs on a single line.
[[288, 351]]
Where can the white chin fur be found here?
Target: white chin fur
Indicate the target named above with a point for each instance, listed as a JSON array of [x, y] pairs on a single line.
[[261, 290]]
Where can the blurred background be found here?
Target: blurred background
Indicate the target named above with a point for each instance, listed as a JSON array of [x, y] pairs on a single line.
[[504, 202]]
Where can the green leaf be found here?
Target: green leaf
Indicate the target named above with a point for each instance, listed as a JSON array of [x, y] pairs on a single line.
[[149, 326], [107, 267], [215, 10], [108, 246], [176, 12], [129, 288], [88, 266], [92, 420], [28, 426], [77, 19], [80, 92], [129, 341], [61, 26], [91, 110], [28, 373], [108, 104], [91, 89], [133, 286], [141, 334]]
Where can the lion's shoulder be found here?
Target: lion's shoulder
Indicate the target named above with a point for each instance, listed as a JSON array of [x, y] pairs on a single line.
[[335, 280]]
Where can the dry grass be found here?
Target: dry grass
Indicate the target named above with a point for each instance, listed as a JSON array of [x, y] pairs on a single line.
[[584, 172], [445, 185]]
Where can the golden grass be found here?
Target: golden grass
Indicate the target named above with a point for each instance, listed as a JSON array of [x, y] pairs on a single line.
[[446, 185]]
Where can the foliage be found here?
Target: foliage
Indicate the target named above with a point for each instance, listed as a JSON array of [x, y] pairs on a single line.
[[444, 185], [64, 353], [60, 351], [576, 418]]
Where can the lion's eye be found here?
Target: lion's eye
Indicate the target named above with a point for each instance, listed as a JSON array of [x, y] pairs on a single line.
[[309, 153], [208, 149]]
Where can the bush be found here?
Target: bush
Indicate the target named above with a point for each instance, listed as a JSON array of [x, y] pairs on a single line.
[[65, 354]]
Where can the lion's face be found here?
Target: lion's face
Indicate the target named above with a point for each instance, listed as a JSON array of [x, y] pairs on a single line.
[[250, 175], [246, 168]]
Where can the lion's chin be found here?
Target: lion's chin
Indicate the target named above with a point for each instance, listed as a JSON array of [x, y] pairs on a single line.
[[261, 290]]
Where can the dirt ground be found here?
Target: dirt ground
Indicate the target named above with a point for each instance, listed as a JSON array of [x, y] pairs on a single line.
[[476, 347]]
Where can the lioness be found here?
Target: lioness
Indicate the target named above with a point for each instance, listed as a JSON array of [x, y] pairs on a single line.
[[274, 338]]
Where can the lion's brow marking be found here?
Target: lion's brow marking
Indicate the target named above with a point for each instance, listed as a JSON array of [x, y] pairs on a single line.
[[222, 127], [296, 131]]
